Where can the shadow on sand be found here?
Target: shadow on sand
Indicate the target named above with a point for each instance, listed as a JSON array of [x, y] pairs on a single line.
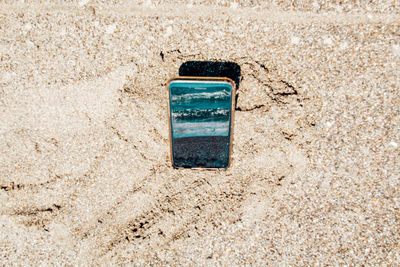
[[212, 69]]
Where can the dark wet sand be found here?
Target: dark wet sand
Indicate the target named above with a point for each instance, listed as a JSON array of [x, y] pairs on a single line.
[[202, 151]]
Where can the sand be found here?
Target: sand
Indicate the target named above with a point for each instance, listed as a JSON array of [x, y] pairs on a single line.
[[85, 170]]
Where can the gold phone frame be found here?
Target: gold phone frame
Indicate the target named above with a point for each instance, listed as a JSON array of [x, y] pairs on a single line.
[[194, 78]]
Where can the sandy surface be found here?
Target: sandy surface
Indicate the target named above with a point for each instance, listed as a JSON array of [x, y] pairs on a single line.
[[85, 174]]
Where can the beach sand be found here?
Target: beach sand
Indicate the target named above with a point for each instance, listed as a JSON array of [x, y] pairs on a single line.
[[85, 170]]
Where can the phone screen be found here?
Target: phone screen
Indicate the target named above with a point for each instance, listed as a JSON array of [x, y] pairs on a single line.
[[201, 123]]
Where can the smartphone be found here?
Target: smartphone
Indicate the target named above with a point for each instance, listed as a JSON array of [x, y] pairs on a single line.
[[201, 121]]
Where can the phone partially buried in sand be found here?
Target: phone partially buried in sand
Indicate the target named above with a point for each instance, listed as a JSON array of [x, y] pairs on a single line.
[[200, 120]]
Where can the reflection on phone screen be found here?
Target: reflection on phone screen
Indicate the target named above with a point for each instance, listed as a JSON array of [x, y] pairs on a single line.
[[200, 123]]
